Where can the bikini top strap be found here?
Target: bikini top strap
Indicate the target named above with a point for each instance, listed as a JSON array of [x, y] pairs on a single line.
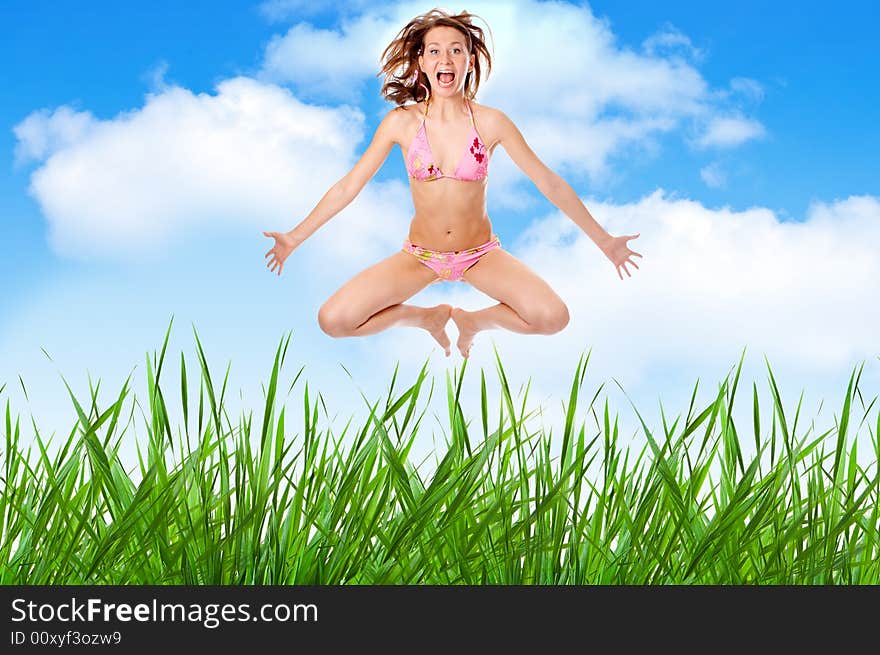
[[468, 103]]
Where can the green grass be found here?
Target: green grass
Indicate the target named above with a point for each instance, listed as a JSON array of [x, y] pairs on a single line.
[[221, 504]]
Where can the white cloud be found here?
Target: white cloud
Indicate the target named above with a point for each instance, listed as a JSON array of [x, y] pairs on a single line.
[[713, 175], [155, 77], [43, 132], [715, 280], [371, 228], [121, 187], [748, 88], [326, 63], [672, 40], [730, 131]]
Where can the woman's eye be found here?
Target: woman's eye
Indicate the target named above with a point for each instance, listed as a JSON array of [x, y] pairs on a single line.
[[433, 52], [456, 50]]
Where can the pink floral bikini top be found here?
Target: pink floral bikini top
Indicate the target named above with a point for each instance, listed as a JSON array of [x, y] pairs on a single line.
[[473, 166]]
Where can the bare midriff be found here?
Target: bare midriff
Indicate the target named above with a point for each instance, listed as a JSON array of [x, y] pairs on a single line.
[[449, 214]]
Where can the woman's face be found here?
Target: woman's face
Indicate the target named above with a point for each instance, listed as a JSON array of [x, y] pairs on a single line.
[[445, 60]]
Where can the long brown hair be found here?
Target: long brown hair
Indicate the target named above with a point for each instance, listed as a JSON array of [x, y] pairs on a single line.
[[400, 65]]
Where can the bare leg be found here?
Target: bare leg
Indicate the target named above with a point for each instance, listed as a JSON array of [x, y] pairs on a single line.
[[526, 305], [432, 319], [372, 302]]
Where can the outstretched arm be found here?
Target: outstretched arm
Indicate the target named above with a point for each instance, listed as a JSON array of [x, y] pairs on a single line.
[[560, 193], [339, 196]]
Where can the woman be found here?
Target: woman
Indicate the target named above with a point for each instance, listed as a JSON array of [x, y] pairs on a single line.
[[437, 61]]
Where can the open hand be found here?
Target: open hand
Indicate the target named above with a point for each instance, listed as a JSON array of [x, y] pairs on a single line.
[[284, 245], [619, 253]]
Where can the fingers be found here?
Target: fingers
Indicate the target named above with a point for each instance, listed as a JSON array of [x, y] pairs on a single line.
[[273, 263], [627, 260], [272, 249]]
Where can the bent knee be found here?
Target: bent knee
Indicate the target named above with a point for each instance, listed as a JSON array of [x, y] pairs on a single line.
[[550, 319], [333, 321]]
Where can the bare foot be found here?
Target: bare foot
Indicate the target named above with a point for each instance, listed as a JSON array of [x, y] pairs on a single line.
[[435, 323], [467, 328]]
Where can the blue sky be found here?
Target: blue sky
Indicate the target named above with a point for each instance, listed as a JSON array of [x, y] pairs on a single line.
[[801, 76]]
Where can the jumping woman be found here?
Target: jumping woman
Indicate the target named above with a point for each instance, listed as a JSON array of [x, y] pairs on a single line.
[[432, 71]]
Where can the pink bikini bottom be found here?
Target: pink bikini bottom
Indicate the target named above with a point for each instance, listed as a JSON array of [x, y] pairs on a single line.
[[451, 265]]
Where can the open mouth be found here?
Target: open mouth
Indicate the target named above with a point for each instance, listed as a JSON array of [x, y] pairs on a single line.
[[445, 79]]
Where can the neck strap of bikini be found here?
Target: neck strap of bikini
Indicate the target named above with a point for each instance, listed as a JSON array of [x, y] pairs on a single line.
[[466, 103]]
